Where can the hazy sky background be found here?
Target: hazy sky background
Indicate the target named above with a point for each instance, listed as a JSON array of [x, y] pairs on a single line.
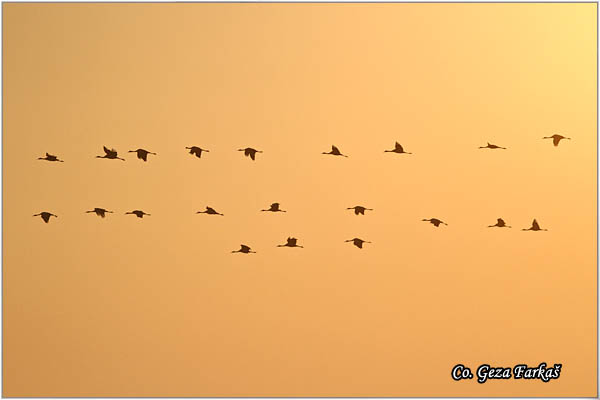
[[160, 307]]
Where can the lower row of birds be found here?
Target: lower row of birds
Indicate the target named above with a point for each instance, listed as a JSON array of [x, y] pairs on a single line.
[[358, 210]]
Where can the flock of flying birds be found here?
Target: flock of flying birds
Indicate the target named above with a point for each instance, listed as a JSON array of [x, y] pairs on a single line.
[[275, 207]]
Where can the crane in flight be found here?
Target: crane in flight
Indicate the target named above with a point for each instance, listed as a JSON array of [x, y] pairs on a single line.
[[250, 152], [137, 213], [335, 152], [110, 154], [500, 224], [209, 211], [45, 216], [142, 154], [291, 242], [197, 151], [556, 139], [50, 157], [274, 208], [101, 212], [357, 242], [492, 146], [244, 249], [534, 227], [397, 149], [436, 222], [359, 210]]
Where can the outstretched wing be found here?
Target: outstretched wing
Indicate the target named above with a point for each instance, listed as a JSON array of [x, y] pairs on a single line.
[[500, 221], [106, 150], [399, 146], [252, 155], [334, 149], [275, 205], [244, 248], [292, 241], [358, 243], [535, 225]]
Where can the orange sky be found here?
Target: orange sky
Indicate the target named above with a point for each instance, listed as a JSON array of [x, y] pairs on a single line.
[[160, 307]]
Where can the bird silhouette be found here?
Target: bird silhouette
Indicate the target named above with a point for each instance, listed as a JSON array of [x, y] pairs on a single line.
[[197, 151], [357, 242], [397, 149], [137, 213], [274, 208], [250, 152], [45, 216], [435, 221], [291, 242], [556, 139], [142, 154], [50, 157], [492, 146], [534, 227], [499, 224], [110, 153], [359, 210], [244, 249], [210, 211], [335, 152], [101, 212]]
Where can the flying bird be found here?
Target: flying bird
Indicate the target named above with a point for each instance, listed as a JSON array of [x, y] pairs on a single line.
[[274, 208], [359, 210], [397, 149], [111, 154], [435, 221], [556, 139], [492, 146], [534, 227], [244, 249], [357, 242], [250, 152], [197, 151], [335, 152], [50, 157], [101, 212], [210, 211], [142, 154], [499, 224], [137, 213], [45, 216], [291, 242]]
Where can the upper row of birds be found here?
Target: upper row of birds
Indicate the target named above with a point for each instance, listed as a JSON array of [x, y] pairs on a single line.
[[142, 154]]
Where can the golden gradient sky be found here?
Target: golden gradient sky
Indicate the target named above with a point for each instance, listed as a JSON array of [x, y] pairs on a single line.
[[160, 307]]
